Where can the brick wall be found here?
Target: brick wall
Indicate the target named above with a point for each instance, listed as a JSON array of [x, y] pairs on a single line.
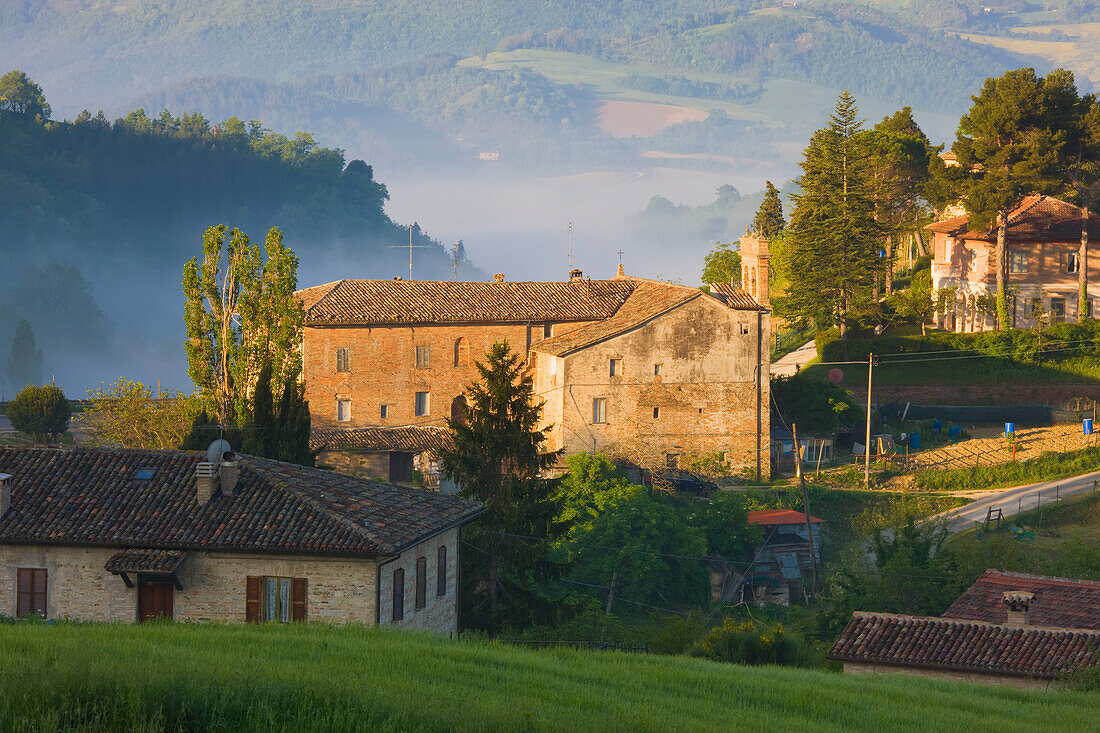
[[1063, 396], [356, 463], [440, 613]]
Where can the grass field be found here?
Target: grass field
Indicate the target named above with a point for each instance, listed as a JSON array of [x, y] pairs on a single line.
[[1077, 46], [306, 678]]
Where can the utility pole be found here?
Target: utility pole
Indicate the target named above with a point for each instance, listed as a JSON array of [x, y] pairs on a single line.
[[805, 505], [611, 593], [411, 247], [867, 445], [570, 246]]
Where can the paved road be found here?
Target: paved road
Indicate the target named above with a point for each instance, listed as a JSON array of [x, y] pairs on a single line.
[[1020, 498], [787, 365], [5, 424]]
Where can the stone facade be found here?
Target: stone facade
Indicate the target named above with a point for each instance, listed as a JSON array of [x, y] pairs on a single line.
[[340, 590], [1000, 680]]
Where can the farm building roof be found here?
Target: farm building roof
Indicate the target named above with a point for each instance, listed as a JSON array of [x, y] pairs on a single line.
[[82, 496], [1034, 218], [405, 438], [1058, 602], [770, 517], [968, 646]]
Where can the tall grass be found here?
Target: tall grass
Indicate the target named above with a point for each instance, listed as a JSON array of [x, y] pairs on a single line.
[[311, 678], [1046, 467]]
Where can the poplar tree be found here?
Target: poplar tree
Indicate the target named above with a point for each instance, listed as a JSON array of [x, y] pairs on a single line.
[[1009, 143], [831, 254], [498, 455], [769, 220]]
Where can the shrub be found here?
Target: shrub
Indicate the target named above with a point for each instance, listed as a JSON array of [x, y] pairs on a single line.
[[1047, 466], [743, 642], [40, 411]]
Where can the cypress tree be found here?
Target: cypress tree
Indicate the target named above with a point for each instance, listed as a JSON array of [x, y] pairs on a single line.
[[833, 237], [769, 220], [25, 362], [292, 426], [259, 434]]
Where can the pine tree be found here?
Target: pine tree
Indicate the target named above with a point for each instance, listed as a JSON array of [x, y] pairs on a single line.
[[831, 255], [24, 365], [1010, 145], [769, 220], [498, 455]]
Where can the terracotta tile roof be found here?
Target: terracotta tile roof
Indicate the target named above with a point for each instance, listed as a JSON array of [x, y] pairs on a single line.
[[405, 438], [369, 302], [649, 300], [1058, 602], [145, 561], [770, 517], [734, 297], [82, 496], [968, 646], [1035, 218]]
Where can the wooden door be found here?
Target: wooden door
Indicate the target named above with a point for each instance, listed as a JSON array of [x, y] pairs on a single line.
[[154, 600]]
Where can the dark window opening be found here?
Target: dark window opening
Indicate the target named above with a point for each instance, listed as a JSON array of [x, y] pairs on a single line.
[[145, 473], [656, 412], [398, 594], [343, 359], [441, 572], [421, 582], [401, 467], [30, 592]]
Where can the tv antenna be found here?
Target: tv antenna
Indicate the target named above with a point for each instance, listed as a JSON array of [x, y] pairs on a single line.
[[570, 246], [411, 247]]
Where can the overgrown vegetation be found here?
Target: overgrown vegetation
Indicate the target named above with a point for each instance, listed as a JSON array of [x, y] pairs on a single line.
[[1045, 467]]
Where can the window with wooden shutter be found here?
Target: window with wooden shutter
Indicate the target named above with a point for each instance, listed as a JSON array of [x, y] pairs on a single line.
[[398, 594], [441, 572], [298, 599], [30, 592], [421, 582], [252, 588]]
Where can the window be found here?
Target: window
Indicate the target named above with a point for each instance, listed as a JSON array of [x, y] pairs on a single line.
[[462, 352], [275, 599], [423, 357], [1017, 262], [421, 582], [657, 370], [656, 412], [616, 367], [441, 572], [343, 359], [547, 330], [145, 473], [599, 410], [30, 592], [385, 411], [1072, 263], [1057, 310], [343, 410], [423, 404], [398, 594]]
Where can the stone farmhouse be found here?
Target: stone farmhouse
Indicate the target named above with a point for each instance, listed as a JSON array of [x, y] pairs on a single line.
[[644, 370], [1008, 629], [128, 535], [1042, 267]]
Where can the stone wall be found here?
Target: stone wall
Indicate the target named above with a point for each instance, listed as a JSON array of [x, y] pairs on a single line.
[[946, 674], [356, 463], [1062, 396], [440, 612], [340, 590]]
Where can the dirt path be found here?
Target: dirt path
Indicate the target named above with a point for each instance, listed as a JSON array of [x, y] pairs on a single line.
[[786, 366], [988, 446]]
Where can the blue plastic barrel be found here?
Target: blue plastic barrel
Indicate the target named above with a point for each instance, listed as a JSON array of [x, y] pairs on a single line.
[[937, 425], [1010, 428], [954, 431], [1087, 424], [914, 441]]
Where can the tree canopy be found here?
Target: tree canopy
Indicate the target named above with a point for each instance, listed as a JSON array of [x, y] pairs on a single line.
[[21, 95], [769, 221]]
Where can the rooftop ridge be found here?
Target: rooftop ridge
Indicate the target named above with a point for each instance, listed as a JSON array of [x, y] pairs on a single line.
[[973, 622], [993, 572]]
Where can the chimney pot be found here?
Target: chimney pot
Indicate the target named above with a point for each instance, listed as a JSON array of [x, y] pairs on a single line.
[[1018, 606], [499, 277], [576, 276], [5, 493], [621, 272], [229, 473], [206, 476]]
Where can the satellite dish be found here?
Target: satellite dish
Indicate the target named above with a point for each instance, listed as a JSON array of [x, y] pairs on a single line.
[[216, 450]]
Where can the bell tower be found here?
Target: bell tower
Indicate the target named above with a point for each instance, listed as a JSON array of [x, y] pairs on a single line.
[[754, 267]]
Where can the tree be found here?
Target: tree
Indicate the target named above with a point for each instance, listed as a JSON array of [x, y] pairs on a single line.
[[592, 485], [239, 317], [1010, 145], [292, 425], [817, 406], [831, 256], [21, 95], [1080, 162], [259, 434], [24, 365], [126, 414], [497, 458], [769, 220], [41, 411], [916, 302], [722, 265]]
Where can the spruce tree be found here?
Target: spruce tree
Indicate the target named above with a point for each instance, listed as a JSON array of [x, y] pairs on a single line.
[[498, 455], [769, 220], [1010, 145], [831, 255]]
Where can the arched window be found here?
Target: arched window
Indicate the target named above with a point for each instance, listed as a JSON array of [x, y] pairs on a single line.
[[458, 409], [462, 352]]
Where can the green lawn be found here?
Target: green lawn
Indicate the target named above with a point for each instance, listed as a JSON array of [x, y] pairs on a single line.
[[191, 677]]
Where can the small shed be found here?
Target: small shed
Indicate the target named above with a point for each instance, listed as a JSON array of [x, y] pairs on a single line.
[[784, 560]]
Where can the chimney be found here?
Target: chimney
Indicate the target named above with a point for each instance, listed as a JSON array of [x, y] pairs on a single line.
[[206, 476], [5, 494], [1018, 605], [621, 272], [229, 473], [499, 277], [754, 268], [576, 276], [398, 278]]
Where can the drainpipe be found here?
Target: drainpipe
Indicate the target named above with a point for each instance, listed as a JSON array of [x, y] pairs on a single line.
[[759, 383]]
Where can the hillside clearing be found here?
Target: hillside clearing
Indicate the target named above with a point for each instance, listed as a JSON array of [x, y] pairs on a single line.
[[152, 677]]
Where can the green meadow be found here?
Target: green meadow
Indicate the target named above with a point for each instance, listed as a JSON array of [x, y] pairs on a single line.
[[85, 677]]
